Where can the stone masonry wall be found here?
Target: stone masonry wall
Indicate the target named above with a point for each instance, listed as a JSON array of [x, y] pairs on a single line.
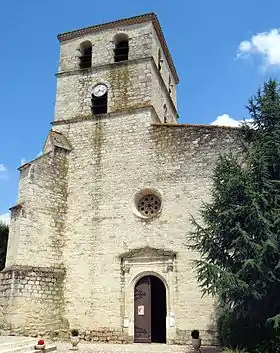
[[92, 222], [37, 221], [129, 83], [143, 43], [137, 82], [103, 42], [113, 158], [161, 98], [37, 291], [165, 71], [184, 167], [31, 285]]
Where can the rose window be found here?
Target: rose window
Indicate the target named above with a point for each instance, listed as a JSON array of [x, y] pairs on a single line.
[[149, 205]]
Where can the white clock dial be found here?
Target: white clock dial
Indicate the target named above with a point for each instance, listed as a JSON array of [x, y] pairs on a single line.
[[100, 90]]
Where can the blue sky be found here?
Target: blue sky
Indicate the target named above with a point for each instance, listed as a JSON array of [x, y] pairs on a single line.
[[223, 51]]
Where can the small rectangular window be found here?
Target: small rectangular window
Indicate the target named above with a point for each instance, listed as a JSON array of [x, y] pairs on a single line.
[[99, 104]]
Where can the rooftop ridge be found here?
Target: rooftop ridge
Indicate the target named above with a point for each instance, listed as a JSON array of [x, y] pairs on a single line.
[[221, 127]]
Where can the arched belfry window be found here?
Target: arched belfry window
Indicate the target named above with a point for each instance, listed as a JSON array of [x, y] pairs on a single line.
[[121, 47], [165, 113], [160, 61], [99, 99], [86, 55], [170, 85]]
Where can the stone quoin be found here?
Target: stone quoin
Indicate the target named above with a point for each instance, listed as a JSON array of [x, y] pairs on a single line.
[[98, 236]]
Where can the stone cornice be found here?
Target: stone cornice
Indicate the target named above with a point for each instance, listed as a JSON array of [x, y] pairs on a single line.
[[28, 164], [98, 117], [198, 126], [24, 166], [103, 67], [24, 268], [16, 207]]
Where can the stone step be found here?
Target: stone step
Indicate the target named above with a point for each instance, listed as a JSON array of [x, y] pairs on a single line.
[[19, 349], [23, 346], [49, 348], [16, 342], [28, 349]]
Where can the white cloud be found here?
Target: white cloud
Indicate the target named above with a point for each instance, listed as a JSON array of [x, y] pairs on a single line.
[[2, 168], [3, 172], [245, 47], [5, 218], [265, 44], [226, 120]]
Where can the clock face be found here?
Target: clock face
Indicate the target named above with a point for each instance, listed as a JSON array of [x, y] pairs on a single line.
[[100, 90]]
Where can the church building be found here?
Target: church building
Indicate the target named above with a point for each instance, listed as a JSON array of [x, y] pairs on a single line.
[[99, 233]]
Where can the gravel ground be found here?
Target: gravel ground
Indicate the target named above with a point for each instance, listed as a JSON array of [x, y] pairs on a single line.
[[85, 347], [129, 348]]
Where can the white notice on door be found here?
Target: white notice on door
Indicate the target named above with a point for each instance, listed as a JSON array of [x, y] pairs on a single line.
[[141, 310]]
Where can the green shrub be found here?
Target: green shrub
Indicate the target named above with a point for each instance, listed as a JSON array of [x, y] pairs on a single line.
[[74, 332], [195, 334], [240, 331], [272, 346]]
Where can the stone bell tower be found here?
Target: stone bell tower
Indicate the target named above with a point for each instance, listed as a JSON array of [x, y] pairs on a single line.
[[117, 66], [98, 233]]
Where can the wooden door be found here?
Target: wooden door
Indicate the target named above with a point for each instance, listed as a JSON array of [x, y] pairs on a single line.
[[142, 311]]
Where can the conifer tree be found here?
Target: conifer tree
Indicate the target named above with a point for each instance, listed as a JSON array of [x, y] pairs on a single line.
[[239, 236]]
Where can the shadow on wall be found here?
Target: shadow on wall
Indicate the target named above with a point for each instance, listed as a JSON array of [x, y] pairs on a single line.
[[212, 333], [4, 235]]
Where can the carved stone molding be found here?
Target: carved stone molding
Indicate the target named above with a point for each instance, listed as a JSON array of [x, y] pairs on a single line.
[[170, 266], [150, 257]]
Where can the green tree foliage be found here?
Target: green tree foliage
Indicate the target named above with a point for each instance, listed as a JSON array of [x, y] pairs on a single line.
[[4, 233], [239, 236]]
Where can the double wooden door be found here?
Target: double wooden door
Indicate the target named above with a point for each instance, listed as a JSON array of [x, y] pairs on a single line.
[[142, 311]]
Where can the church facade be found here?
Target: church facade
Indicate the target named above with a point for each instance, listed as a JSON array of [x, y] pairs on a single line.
[[98, 237]]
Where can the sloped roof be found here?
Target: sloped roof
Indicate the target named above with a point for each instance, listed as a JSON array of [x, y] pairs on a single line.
[[57, 139]]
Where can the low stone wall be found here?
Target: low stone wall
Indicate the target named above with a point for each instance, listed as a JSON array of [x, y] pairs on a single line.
[[105, 335], [209, 338], [35, 298], [5, 285], [3, 304]]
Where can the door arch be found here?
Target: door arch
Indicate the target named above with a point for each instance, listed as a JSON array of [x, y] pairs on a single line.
[[150, 310]]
